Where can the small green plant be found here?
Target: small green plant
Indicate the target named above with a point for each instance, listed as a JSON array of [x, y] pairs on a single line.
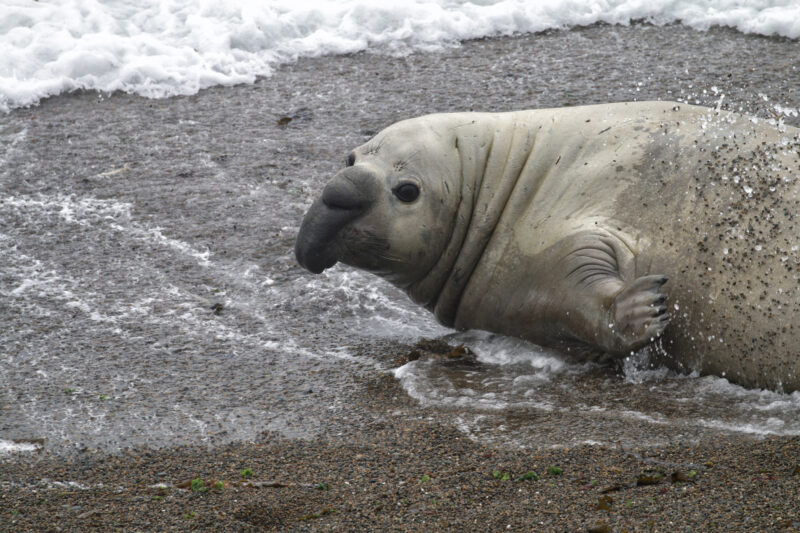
[[425, 478], [190, 515], [528, 476], [158, 498], [103, 397], [14, 511], [692, 473], [555, 471], [198, 485], [69, 390], [404, 502], [219, 486], [502, 476], [323, 486], [628, 503], [246, 472]]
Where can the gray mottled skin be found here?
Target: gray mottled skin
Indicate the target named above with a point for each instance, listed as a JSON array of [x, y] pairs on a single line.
[[561, 226]]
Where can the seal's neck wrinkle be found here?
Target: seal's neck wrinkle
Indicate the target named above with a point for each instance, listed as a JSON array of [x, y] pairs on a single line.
[[466, 143], [493, 157]]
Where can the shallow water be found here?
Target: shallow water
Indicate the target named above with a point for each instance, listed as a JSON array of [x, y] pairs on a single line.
[[517, 393], [149, 293]]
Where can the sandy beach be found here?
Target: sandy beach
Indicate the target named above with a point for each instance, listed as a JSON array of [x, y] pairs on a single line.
[[422, 475], [271, 442]]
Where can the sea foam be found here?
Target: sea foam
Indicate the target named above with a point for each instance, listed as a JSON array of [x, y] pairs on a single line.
[[159, 48]]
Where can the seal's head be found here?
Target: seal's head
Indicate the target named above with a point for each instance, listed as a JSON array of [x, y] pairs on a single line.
[[391, 211]]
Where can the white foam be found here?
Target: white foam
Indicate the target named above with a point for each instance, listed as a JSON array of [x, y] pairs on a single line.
[[513, 371], [88, 211], [9, 447], [512, 374], [368, 303], [500, 350], [158, 48], [770, 426]]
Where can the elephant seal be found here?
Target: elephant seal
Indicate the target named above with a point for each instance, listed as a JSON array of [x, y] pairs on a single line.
[[561, 226]]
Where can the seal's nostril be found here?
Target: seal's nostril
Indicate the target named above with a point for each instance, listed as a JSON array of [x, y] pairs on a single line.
[[350, 189]]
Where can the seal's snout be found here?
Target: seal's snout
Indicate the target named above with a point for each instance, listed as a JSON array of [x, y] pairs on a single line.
[[343, 200]]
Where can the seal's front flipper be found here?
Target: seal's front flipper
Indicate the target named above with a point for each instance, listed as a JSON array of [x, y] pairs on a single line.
[[610, 308], [638, 314]]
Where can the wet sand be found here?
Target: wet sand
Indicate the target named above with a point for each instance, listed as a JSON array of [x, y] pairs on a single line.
[[378, 460], [421, 475]]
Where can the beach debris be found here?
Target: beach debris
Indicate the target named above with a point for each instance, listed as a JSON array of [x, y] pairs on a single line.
[[199, 485], [114, 172], [649, 479], [313, 516], [599, 527], [298, 115], [680, 476], [604, 503], [88, 514], [182, 485], [268, 484], [433, 349], [403, 359], [611, 488]]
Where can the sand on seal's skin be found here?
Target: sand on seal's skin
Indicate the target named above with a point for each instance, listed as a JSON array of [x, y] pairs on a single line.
[[343, 448]]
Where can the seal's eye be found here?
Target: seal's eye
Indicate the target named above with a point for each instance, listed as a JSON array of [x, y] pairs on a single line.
[[407, 192], [351, 159]]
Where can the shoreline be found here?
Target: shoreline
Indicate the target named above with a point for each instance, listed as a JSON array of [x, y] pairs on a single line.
[[422, 474]]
